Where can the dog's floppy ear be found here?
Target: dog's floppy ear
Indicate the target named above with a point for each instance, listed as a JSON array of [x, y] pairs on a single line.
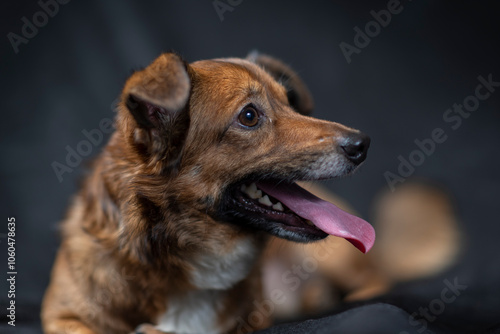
[[157, 98], [299, 96]]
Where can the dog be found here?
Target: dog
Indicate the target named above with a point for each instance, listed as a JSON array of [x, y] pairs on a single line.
[[168, 230]]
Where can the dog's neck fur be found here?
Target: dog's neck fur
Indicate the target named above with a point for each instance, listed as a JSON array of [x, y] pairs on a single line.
[[207, 271]]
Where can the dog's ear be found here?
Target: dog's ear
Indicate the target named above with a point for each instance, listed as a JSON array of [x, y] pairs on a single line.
[[157, 99], [298, 94]]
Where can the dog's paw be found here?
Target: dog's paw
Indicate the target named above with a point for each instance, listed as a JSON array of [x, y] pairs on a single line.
[[148, 329]]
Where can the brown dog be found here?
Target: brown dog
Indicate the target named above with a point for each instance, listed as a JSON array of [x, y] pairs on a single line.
[[169, 227]]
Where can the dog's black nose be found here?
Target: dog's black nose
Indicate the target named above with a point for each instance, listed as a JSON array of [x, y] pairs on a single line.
[[355, 146]]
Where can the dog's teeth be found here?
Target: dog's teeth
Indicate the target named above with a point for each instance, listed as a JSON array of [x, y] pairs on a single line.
[[265, 200], [252, 191], [256, 194], [252, 188], [278, 206]]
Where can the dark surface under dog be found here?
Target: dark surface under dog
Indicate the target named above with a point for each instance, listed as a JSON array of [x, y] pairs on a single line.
[[396, 89]]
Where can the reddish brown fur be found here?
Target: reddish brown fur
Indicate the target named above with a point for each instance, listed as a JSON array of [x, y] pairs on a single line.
[[148, 206]]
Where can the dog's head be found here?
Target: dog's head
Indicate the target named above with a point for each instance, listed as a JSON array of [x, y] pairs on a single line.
[[226, 139]]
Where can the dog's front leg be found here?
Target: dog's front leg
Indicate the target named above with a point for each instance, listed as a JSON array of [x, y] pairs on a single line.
[[149, 329]]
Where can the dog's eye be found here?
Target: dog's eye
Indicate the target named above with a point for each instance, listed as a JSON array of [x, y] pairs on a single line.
[[249, 117]]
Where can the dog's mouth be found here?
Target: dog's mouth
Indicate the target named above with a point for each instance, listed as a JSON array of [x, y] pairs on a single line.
[[288, 211]]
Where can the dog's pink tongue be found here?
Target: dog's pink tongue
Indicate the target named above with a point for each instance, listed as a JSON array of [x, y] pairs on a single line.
[[326, 216]]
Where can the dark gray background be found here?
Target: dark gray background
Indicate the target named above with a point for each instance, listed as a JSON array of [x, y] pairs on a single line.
[[396, 90]]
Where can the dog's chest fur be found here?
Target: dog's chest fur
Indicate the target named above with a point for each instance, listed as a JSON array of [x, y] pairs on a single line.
[[213, 273]]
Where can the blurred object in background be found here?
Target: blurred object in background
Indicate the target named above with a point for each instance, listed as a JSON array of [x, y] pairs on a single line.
[[418, 236]]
